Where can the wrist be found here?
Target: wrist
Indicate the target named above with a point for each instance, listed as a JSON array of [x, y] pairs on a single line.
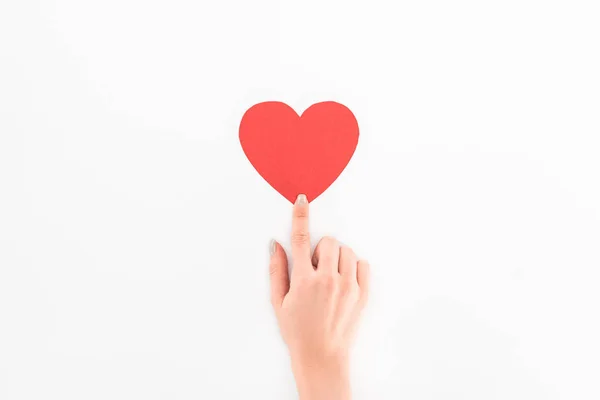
[[322, 377]]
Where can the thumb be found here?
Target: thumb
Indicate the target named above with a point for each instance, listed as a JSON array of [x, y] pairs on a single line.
[[278, 270]]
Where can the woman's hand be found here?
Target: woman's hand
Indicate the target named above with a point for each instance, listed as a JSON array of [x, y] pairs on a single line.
[[319, 308]]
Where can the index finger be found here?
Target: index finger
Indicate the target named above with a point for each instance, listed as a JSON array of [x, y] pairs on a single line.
[[300, 236]]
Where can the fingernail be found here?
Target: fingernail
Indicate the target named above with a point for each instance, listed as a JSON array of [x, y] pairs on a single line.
[[272, 247], [301, 199]]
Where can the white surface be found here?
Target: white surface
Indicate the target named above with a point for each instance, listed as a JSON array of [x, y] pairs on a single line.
[[134, 233]]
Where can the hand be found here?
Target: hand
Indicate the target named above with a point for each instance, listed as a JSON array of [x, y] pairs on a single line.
[[319, 308]]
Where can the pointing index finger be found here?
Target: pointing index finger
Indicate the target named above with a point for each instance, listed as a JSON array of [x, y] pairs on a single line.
[[300, 235]]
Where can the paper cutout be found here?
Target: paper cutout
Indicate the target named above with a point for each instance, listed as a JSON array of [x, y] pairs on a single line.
[[299, 154]]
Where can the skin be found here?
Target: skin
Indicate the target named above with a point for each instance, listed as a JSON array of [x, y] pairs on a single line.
[[318, 307]]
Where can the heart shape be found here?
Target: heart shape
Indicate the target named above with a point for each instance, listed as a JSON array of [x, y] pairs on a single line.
[[299, 154]]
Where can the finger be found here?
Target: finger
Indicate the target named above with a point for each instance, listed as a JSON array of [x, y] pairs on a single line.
[[300, 236], [327, 255], [348, 263], [363, 275], [278, 270]]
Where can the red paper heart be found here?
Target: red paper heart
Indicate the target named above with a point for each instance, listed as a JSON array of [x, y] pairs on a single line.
[[299, 154]]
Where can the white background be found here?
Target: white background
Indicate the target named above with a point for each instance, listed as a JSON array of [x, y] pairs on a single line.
[[134, 233]]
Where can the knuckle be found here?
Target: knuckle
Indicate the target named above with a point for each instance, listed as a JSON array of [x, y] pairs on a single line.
[[273, 270], [327, 282], [302, 283], [301, 212], [327, 250], [300, 237], [326, 259], [328, 241], [347, 252], [349, 290]]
